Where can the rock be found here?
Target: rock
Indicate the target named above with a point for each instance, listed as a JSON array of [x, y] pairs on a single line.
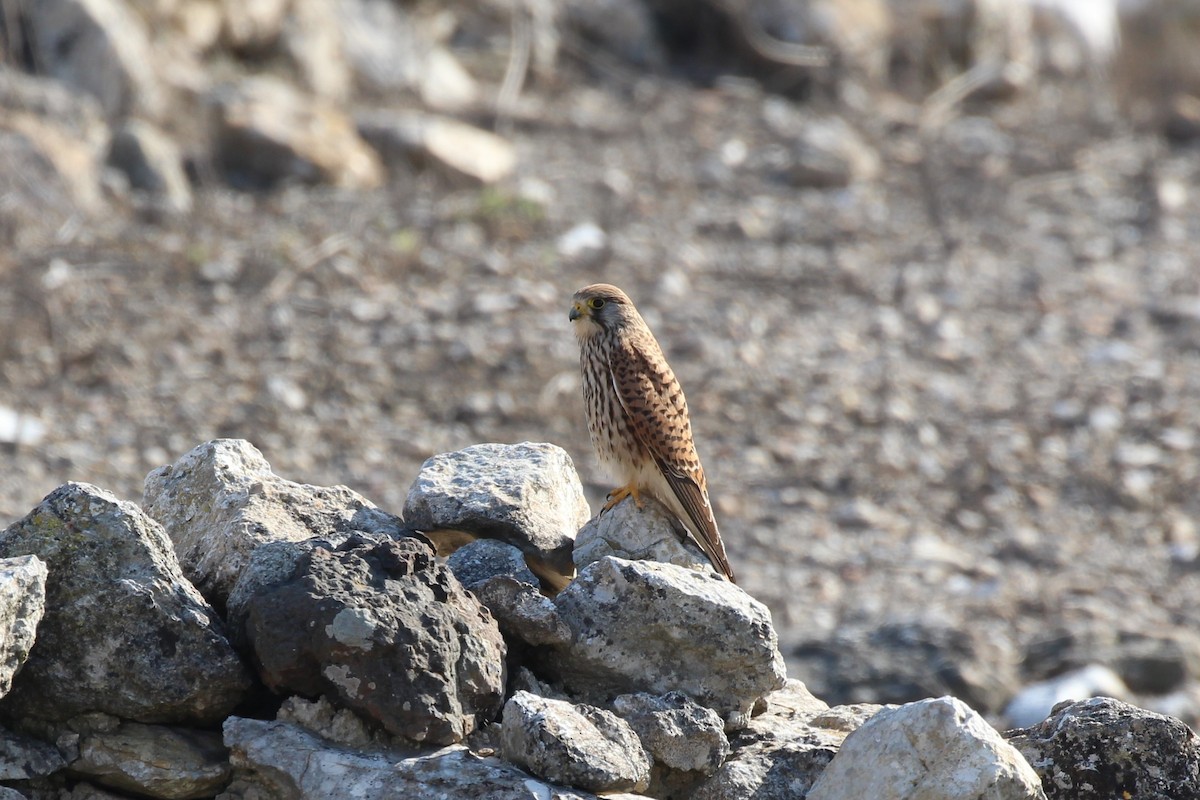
[[831, 154], [22, 604], [650, 533], [276, 759], [267, 132], [390, 50], [56, 140], [312, 39], [153, 164], [252, 25], [1103, 748], [220, 501], [937, 749], [576, 745], [624, 27], [1033, 704], [784, 749], [522, 611], [496, 573], [462, 151], [124, 632], [338, 725], [476, 561], [644, 627], [898, 662], [100, 47], [390, 633], [23, 758], [527, 495], [152, 760], [685, 741]]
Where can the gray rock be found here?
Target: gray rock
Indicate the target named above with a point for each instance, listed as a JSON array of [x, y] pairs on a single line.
[[338, 725], [252, 25], [154, 760], [1034, 703], [686, 741], [899, 662], [676, 731], [522, 611], [936, 749], [153, 163], [649, 533], [576, 745], [390, 50], [23, 758], [784, 749], [22, 604], [497, 574], [312, 39], [124, 632], [55, 140], [390, 633], [10, 794], [829, 154], [277, 759], [101, 47], [220, 501], [645, 627], [1103, 748], [528, 495], [267, 132], [273, 564], [462, 151], [476, 561]]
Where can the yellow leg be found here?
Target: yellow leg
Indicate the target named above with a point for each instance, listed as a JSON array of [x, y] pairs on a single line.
[[620, 493]]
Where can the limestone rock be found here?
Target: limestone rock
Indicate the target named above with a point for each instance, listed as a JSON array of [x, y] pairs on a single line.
[[462, 151], [153, 164], [937, 749], [24, 758], [390, 633], [528, 495], [784, 749], [22, 604], [685, 740], [100, 47], [645, 627], [153, 760], [1103, 748], [124, 632], [277, 759], [576, 745], [268, 132], [649, 533], [221, 500]]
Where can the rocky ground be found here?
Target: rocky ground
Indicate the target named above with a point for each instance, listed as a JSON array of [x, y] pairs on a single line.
[[942, 369]]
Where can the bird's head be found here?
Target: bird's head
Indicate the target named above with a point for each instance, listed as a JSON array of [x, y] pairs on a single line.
[[598, 307]]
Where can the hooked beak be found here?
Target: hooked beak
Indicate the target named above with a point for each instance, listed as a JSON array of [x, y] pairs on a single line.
[[575, 313]]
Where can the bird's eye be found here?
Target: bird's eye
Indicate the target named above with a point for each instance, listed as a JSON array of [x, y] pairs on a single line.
[[596, 303]]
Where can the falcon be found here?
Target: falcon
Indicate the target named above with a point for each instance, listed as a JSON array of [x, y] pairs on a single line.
[[637, 415]]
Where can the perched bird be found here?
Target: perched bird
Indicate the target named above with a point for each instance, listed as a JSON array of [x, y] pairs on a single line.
[[637, 415]]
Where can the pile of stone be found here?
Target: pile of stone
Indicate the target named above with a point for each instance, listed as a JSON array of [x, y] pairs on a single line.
[[239, 635]]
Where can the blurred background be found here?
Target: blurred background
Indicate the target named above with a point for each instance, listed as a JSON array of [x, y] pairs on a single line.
[[927, 270]]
